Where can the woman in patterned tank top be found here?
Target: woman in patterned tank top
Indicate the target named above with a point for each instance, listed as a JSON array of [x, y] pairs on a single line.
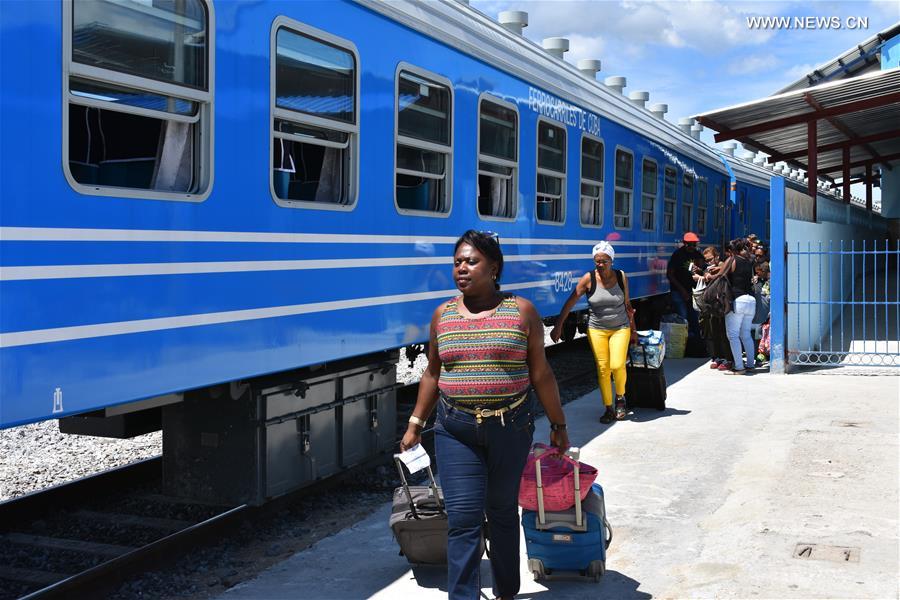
[[486, 349]]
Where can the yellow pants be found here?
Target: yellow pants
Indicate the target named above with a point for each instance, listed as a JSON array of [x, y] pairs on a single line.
[[610, 348]]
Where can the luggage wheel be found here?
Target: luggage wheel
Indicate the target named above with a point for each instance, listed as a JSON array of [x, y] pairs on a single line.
[[537, 569], [596, 570]]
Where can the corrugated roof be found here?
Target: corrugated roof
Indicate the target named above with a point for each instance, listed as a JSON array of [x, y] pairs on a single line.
[[860, 108], [862, 58]]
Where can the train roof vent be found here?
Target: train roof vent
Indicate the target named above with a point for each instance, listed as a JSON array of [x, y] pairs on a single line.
[[659, 110], [556, 46], [514, 20], [685, 124], [759, 159], [696, 130], [639, 98], [616, 83], [589, 66], [729, 148]]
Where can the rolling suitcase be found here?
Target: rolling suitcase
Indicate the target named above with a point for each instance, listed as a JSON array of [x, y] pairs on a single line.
[[570, 542], [419, 520], [645, 387]]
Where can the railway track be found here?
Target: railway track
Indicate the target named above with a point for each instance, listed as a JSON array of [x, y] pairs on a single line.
[[85, 538]]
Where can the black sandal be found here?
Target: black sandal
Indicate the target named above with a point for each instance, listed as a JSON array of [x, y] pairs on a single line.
[[609, 416], [620, 408]]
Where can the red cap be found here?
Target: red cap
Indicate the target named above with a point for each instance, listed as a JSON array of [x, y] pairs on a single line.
[[690, 236]]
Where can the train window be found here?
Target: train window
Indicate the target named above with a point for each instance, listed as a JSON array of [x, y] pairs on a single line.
[[669, 192], [702, 204], [551, 173], [687, 202], [314, 118], [624, 189], [138, 115], [718, 208], [649, 190], [498, 158], [591, 181], [424, 142], [742, 213]]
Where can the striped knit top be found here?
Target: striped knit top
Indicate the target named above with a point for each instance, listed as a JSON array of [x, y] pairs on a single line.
[[483, 360]]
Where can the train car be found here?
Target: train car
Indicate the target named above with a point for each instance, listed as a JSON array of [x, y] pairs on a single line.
[[197, 194]]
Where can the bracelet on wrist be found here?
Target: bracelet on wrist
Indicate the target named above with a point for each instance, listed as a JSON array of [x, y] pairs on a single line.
[[417, 421], [557, 426]]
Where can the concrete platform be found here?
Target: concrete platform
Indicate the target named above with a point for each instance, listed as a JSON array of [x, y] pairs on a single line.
[[708, 499]]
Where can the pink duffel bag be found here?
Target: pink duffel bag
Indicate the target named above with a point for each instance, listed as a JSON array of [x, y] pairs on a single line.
[[557, 479]]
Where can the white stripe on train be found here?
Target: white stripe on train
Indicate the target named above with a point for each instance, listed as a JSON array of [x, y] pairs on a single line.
[[64, 334]]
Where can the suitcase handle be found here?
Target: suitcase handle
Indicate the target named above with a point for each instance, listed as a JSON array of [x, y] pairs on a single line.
[[574, 454], [405, 484]]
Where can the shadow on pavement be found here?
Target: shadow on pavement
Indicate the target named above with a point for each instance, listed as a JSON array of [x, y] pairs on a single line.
[[643, 415], [431, 576], [612, 585]]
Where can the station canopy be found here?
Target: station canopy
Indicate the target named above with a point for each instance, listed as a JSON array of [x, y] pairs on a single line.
[[856, 118], [841, 120]]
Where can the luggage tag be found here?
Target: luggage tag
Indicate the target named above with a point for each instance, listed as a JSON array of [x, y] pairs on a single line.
[[415, 459]]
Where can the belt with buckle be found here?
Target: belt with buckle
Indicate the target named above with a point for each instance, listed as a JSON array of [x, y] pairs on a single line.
[[486, 413]]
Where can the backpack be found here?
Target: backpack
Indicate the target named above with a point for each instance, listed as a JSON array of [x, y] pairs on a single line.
[[717, 297], [619, 279]]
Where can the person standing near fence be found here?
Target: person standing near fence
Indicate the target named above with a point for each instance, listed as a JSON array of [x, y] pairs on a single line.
[[610, 326], [486, 350], [738, 321]]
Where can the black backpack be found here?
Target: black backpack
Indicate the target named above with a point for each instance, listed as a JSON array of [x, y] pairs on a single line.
[[717, 297], [619, 278]]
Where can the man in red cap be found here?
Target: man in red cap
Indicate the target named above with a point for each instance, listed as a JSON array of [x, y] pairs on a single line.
[[684, 262]]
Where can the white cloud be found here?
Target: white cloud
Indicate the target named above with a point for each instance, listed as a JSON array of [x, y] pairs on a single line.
[[888, 9], [633, 24], [753, 64], [798, 71], [583, 46]]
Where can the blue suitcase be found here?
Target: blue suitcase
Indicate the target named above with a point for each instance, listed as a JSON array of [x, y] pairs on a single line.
[[571, 542]]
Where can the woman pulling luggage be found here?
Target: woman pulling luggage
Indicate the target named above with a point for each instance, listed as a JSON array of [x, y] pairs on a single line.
[[610, 326], [486, 349]]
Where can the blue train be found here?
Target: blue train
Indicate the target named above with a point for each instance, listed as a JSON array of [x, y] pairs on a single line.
[[197, 193]]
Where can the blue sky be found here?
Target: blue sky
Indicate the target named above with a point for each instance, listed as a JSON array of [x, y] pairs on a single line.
[[699, 55]]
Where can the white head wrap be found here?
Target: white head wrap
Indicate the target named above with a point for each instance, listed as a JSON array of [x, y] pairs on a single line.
[[605, 248]]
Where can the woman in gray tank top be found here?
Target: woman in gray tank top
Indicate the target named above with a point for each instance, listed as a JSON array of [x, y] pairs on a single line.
[[610, 325]]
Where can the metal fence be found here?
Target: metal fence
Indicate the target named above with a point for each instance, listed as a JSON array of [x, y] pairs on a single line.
[[843, 303]]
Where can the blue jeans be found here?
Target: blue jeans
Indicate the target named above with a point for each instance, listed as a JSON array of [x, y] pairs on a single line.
[[480, 467], [686, 310], [737, 325]]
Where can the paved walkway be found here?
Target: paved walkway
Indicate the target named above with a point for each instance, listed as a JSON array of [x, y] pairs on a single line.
[[708, 499]]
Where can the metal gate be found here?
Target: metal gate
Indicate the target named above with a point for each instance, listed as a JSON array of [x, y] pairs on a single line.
[[843, 303]]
